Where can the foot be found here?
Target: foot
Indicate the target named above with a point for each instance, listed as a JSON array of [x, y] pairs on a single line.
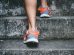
[[44, 12], [31, 37]]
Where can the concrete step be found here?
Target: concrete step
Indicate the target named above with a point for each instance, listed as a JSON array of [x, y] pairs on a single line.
[[52, 47], [56, 27]]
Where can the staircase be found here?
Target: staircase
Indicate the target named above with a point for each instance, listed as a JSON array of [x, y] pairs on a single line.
[[61, 27], [56, 36]]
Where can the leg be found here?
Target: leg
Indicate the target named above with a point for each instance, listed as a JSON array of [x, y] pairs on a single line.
[[44, 3], [31, 12]]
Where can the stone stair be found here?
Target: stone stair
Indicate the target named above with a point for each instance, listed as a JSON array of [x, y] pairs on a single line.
[[52, 47], [58, 27], [56, 33], [56, 36]]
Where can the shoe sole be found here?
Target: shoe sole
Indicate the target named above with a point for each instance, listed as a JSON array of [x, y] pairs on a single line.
[[32, 42], [44, 16]]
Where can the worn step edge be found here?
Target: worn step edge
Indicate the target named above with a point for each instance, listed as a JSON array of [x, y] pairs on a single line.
[[53, 17]]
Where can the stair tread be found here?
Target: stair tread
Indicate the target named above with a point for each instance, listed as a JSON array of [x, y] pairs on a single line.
[[24, 17], [43, 45]]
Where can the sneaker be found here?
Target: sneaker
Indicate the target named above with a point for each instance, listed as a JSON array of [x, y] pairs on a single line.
[[44, 12], [31, 37]]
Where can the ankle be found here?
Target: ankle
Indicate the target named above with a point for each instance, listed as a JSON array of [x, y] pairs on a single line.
[[32, 30]]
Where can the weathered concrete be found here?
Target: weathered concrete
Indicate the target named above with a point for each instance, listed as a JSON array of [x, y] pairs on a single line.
[[53, 47], [50, 28]]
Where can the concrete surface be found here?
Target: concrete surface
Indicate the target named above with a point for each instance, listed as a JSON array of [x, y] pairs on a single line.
[[50, 28], [52, 47]]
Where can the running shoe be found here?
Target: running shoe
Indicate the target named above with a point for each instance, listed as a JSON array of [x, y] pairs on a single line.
[[44, 12]]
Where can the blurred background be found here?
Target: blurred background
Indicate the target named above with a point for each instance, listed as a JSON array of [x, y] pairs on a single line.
[[16, 8]]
